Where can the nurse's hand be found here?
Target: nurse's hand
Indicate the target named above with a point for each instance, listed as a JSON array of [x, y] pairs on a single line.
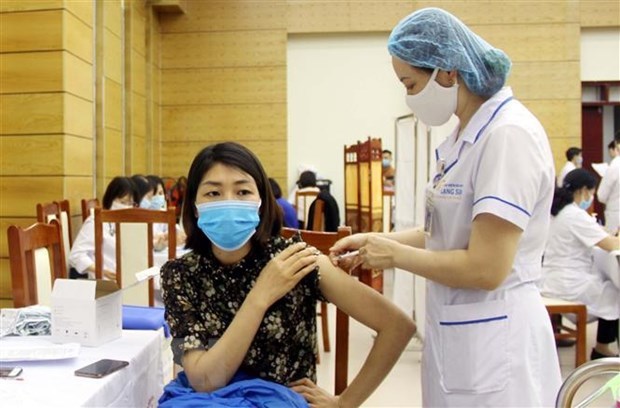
[[378, 253], [314, 395], [344, 246]]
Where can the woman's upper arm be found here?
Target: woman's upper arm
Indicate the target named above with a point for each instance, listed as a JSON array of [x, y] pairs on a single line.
[[492, 248], [357, 300]]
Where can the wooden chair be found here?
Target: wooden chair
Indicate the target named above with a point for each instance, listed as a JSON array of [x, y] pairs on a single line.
[[303, 200], [88, 207], [559, 306], [61, 211], [323, 241], [133, 230], [37, 259]]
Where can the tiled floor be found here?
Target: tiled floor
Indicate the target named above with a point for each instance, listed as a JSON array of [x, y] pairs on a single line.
[[402, 386]]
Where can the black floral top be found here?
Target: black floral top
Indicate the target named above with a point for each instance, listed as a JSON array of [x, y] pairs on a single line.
[[202, 297]]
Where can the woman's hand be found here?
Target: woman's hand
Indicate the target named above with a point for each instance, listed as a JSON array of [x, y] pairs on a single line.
[[284, 272], [315, 395], [344, 245]]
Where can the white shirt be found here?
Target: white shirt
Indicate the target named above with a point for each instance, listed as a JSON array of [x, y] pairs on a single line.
[[567, 266], [82, 253], [568, 167], [609, 194], [500, 164]]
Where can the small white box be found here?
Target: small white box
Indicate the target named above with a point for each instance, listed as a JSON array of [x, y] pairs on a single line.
[[89, 312]]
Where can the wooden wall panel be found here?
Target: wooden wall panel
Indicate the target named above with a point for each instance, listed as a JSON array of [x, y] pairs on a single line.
[[31, 72], [139, 155], [317, 17], [599, 13], [76, 188], [179, 156], [31, 113], [113, 109], [138, 112], [17, 198], [81, 9], [559, 146], [543, 80], [561, 118], [138, 16], [377, 15], [223, 15], [78, 37], [77, 76], [78, 156], [113, 16], [236, 122], [138, 73], [40, 30], [113, 56], [534, 42], [30, 5], [22, 155], [78, 119], [224, 49], [113, 152], [224, 86]]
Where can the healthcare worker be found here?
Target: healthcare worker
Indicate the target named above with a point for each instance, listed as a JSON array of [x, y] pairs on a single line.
[[489, 340], [569, 270]]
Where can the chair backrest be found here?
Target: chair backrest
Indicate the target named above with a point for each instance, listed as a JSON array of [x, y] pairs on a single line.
[[317, 216], [61, 211], [37, 259], [323, 241], [303, 200], [133, 231], [88, 207]]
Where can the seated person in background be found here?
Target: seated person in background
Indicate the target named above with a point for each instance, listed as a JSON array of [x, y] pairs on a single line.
[[288, 211], [158, 202], [119, 194], [306, 183], [573, 161], [568, 269], [609, 191], [242, 304], [387, 170], [144, 191]]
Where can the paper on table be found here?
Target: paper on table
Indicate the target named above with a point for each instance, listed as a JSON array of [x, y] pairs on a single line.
[[600, 168], [17, 352]]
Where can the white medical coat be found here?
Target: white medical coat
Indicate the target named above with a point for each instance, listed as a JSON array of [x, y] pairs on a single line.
[[568, 265], [82, 253], [492, 348], [568, 167], [609, 194]]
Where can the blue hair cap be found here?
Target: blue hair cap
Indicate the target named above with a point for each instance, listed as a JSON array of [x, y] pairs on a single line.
[[433, 38]]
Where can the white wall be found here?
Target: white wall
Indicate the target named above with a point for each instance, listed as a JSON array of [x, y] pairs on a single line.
[[600, 54], [341, 89]]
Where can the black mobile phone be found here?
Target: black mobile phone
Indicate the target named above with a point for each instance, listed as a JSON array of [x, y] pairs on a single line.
[[10, 372], [101, 368]]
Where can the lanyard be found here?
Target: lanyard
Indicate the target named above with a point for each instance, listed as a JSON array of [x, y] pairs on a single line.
[[442, 170]]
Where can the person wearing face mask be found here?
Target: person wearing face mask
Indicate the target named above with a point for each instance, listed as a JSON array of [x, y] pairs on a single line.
[[387, 170], [144, 191], [574, 160], [242, 304], [486, 220], [569, 271], [120, 194]]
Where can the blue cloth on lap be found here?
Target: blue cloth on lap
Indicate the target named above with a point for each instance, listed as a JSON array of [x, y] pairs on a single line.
[[144, 318], [242, 391]]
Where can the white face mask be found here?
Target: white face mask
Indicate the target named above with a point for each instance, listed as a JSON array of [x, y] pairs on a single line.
[[435, 104]]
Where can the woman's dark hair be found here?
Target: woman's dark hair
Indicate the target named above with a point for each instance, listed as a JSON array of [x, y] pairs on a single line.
[[574, 181], [572, 152], [275, 187], [155, 181], [142, 187], [307, 179], [118, 187], [237, 156]]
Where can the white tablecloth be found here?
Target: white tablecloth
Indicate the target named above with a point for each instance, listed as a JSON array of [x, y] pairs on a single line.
[[53, 383]]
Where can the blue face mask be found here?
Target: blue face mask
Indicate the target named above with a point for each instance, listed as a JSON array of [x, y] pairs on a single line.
[[145, 203], [229, 224], [585, 204], [385, 162], [158, 202]]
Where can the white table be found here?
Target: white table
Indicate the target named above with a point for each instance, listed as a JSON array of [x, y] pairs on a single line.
[[53, 383]]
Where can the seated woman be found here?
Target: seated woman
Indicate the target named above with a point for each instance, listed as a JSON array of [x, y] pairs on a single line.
[[119, 194], [568, 269], [288, 211], [158, 202], [242, 304]]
